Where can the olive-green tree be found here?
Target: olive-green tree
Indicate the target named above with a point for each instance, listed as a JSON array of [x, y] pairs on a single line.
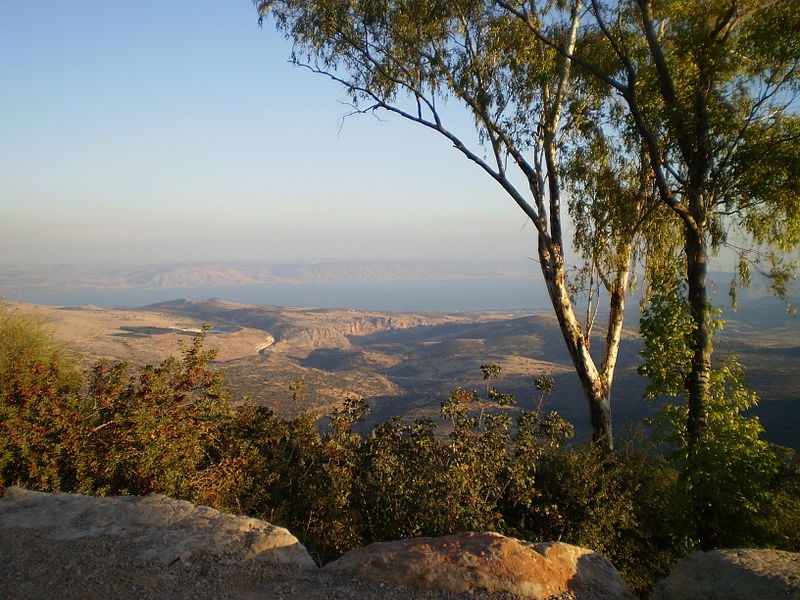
[[710, 90], [536, 125], [728, 477]]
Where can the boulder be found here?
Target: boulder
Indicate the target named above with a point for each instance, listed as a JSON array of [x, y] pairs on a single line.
[[487, 562], [164, 530], [733, 575]]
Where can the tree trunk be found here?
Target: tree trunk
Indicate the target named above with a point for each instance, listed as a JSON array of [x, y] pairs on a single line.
[[595, 388], [697, 384], [698, 378], [600, 411]]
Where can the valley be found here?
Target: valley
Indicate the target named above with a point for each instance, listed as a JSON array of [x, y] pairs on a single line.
[[406, 363]]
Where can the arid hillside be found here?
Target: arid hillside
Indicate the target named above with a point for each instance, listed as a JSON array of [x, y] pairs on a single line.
[[405, 364]]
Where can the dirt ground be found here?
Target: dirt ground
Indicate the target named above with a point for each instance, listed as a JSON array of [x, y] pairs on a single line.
[[33, 567]]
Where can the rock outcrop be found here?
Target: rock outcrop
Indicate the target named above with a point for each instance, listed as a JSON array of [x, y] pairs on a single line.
[[487, 562], [154, 547], [733, 575], [337, 332], [164, 530]]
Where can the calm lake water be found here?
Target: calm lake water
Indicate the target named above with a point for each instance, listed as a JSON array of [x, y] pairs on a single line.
[[403, 296]]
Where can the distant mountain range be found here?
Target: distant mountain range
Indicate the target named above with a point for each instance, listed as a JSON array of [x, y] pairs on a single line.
[[39, 278]]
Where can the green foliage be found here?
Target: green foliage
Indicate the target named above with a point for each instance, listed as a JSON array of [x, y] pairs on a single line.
[[149, 430], [781, 520], [167, 429], [41, 416], [728, 473], [298, 389], [25, 340], [730, 469], [545, 385], [666, 326], [291, 473], [124, 434], [617, 504], [401, 479]]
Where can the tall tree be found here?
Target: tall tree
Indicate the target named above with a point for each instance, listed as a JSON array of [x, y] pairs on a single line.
[[711, 89], [535, 124]]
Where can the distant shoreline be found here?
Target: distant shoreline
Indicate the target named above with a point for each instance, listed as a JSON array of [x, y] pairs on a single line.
[[73, 277], [430, 295], [397, 286]]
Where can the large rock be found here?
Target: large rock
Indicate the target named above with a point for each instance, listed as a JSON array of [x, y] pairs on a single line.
[[733, 575], [165, 530], [487, 562]]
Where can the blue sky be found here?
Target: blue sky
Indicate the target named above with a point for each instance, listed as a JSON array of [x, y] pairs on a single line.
[[176, 131]]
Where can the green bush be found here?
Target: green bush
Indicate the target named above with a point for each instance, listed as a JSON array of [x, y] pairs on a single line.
[[781, 519], [147, 432], [485, 466], [728, 472], [728, 478], [42, 418], [150, 431]]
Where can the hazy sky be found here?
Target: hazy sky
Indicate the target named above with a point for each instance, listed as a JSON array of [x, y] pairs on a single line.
[[176, 131]]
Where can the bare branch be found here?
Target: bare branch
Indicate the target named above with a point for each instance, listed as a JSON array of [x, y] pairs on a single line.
[[436, 125]]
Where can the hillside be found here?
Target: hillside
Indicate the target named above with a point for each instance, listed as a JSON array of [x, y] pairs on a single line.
[[405, 363]]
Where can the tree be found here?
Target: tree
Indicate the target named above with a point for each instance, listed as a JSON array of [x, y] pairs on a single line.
[[535, 122], [728, 475], [710, 89]]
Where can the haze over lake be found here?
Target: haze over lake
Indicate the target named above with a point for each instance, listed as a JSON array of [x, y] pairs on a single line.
[[403, 296], [401, 286], [366, 285]]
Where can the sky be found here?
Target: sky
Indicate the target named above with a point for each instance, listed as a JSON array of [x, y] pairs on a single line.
[[177, 131]]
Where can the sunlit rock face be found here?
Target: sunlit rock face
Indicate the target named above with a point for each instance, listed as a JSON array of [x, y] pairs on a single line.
[[163, 529], [487, 562]]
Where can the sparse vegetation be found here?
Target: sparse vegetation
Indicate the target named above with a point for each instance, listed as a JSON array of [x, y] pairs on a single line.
[[168, 428]]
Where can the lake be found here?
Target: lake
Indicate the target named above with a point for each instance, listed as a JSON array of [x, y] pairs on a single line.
[[402, 296]]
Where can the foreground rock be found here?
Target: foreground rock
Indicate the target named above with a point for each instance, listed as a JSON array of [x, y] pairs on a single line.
[[487, 562], [733, 575], [107, 568], [80, 548], [165, 530]]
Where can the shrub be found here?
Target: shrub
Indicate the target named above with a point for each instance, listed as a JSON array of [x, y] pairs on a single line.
[[150, 431], [42, 418], [167, 428]]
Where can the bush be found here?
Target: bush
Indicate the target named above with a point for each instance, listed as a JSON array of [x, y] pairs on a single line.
[[727, 478], [150, 431], [168, 429], [147, 432], [42, 418]]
